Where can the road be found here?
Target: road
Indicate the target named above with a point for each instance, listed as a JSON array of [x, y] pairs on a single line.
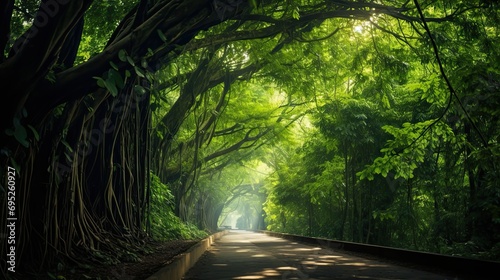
[[250, 255]]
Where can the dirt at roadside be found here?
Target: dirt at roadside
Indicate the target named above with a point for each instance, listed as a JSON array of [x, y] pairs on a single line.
[[164, 253]]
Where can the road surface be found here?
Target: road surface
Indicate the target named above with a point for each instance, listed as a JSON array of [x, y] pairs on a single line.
[[250, 255]]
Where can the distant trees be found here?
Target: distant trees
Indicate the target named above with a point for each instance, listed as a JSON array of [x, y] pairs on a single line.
[[402, 152]]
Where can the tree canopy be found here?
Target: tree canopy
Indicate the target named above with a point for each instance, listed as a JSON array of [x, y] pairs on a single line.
[[367, 121]]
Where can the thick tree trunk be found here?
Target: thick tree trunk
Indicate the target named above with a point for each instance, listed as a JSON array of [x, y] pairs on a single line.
[[34, 53]]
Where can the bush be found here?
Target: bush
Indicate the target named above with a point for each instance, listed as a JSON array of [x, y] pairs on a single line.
[[165, 225]]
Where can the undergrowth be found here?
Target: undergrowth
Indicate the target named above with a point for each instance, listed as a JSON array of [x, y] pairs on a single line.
[[165, 225]]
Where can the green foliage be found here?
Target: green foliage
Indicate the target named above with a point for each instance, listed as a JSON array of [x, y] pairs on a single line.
[[165, 225], [20, 132], [396, 157], [369, 139], [101, 20], [408, 149]]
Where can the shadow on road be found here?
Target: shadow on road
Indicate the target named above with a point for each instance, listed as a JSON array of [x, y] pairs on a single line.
[[249, 255]]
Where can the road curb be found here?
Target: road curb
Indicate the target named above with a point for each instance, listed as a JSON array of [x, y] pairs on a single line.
[[183, 262]]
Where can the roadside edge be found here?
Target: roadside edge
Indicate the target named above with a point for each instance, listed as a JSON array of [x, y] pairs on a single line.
[[183, 262]]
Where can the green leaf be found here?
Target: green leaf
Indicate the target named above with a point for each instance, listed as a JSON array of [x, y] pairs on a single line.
[[159, 134], [122, 55], [150, 77], [130, 61], [384, 172], [139, 89], [162, 35], [144, 63], [295, 13], [117, 79], [139, 72], [20, 134], [100, 82], [110, 85], [113, 65]]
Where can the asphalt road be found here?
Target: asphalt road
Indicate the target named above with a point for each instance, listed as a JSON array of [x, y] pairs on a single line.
[[250, 255]]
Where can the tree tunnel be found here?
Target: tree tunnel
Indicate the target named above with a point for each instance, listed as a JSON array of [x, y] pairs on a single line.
[[132, 122]]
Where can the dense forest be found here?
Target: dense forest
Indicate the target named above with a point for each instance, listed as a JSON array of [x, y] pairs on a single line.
[[372, 121]]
